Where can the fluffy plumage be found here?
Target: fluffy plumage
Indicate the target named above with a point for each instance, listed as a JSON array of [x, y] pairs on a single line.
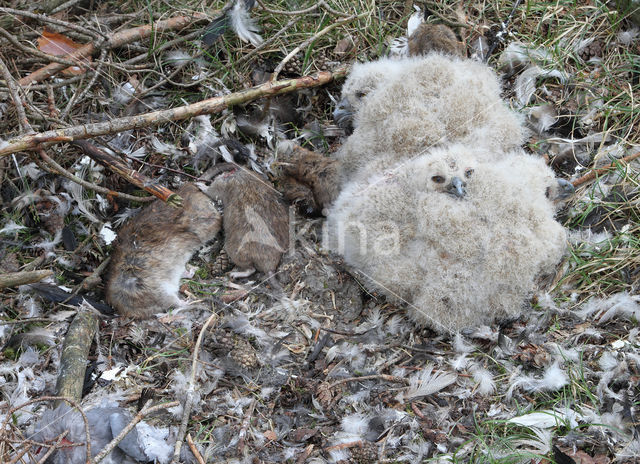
[[424, 102], [457, 260]]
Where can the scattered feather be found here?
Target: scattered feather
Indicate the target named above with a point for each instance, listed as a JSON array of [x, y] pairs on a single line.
[[107, 234], [525, 84], [604, 309], [484, 379], [243, 24], [427, 382], [11, 227]]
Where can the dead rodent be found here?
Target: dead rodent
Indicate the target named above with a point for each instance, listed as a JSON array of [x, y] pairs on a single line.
[[255, 221], [310, 181], [434, 38], [151, 252]]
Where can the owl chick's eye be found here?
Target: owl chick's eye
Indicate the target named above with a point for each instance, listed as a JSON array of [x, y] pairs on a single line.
[[438, 179], [468, 172], [360, 94]]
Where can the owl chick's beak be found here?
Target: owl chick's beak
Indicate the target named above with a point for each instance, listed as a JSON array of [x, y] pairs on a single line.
[[343, 114], [457, 187], [565, 189]]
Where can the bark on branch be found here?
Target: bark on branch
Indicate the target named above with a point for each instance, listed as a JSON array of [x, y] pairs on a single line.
[[210, 106]]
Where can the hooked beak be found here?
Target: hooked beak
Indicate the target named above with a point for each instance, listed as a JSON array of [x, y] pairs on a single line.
[[343, 114], [457, 187], [565, 189]]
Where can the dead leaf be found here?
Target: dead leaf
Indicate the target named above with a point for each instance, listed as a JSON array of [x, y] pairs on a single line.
[[579, 456], [59, 45], [270, 435]]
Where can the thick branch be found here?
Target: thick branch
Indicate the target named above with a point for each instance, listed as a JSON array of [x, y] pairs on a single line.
[[210, 106], [20, 278], [75, 351]]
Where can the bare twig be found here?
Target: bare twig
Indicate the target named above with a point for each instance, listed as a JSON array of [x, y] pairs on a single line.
[[58, 22], [116, 40], [53, 448], [21, 278], [15, 96], [596, 172], [133, 176], [311, 39], [79, 96], [63, 172], [34, 51], [342, 446], [194, 450], [141, 415], [210, 106]]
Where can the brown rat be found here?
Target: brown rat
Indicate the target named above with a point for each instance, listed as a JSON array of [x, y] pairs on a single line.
[[310, 181], [255, 221], [151, 252], [434, 38]]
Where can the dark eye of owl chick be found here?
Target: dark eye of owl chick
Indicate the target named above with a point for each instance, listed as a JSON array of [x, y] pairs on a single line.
[[438, 179], [360, 95]]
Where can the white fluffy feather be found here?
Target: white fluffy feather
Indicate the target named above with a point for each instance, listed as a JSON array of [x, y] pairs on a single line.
[[244, 25], [427, 382]]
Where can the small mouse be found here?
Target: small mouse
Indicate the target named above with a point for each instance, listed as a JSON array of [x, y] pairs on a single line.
[[151, 252], [255, 220], [429, 38]]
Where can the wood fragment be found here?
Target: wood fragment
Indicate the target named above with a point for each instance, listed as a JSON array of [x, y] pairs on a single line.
[[209, 106], [75, 351], [21, 278]]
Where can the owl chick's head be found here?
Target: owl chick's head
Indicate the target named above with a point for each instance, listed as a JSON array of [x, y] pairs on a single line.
[[363, 79], [443, 171]]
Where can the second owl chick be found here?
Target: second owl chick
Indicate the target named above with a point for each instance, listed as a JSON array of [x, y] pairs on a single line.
[[256, 222], [459, 239], [151, 252]]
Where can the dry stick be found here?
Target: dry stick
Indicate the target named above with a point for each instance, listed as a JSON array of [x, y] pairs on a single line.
[[123, 170], [306, 43], [116, 40], [189, 401], [15, 96], [86, 184], [73, 403], [20, 278], [53, 448], [164, 46], [210, 106], [194, 450], [596, 172], [79, 96], [141, 415]]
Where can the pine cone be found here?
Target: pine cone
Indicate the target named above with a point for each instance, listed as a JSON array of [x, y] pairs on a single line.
[[244, 354], [222, 263], [592, 50]]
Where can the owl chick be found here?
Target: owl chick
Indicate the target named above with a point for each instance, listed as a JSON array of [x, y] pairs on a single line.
[[151, 252], [433, 100], [459, 239], [256, 222]]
